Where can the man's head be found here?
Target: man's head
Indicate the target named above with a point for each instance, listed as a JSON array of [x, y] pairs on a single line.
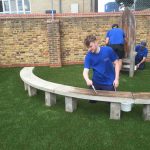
[[91, 43], [115, 26], [143, 44]]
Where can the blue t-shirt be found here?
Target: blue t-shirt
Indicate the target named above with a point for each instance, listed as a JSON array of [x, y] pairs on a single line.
[[101, 63], [116, 36], [141, 52]]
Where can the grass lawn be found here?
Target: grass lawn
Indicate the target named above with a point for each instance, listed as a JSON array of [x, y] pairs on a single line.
[[27, 124]]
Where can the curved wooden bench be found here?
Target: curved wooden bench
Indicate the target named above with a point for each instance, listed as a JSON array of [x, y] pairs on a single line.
[[32, 83]]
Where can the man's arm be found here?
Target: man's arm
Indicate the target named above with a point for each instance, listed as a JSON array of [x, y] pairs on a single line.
[[86, 77], [117, 70], [142, 61]]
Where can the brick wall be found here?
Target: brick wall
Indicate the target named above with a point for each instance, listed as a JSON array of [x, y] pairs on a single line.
[[23, 42], [74, 30], [143, 30], [27, 40]]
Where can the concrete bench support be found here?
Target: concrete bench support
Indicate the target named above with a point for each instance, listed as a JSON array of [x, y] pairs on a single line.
[[146, 112], [115, 111], [31, 91], [50, 99], [25, 86], [70, 104]]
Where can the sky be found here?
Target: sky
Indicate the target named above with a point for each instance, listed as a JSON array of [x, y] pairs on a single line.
[[101, 4]]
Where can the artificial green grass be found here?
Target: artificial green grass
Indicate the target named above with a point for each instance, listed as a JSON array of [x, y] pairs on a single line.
[[27, 124], [72, 75]]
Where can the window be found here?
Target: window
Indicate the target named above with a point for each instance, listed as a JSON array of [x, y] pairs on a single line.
[[15, 6], [1, 7]]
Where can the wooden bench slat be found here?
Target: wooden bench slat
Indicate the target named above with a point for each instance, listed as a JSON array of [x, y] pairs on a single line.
[[141, 98], [141, 95]]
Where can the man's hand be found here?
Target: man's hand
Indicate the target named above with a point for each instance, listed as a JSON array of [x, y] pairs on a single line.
[[89, 82], [116, 83], [138, 65], [142, 61]]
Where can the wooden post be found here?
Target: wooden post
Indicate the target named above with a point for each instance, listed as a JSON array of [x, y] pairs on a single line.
[[70, 104], [115, 111], [50, 99], [132, 65], [129, 26]]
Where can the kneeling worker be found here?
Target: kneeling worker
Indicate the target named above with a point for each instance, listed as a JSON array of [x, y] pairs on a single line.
[[141, 55]]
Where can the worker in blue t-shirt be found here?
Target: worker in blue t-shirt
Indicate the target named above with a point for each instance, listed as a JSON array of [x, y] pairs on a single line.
[[141, 55], [115, 38], [104, 63]]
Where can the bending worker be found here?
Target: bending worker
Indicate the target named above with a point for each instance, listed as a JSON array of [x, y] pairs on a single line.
[[115, 38], [104, 63]]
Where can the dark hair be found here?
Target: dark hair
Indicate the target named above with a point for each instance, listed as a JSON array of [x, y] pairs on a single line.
[[143, 44], [115, 26], [89, 39]]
